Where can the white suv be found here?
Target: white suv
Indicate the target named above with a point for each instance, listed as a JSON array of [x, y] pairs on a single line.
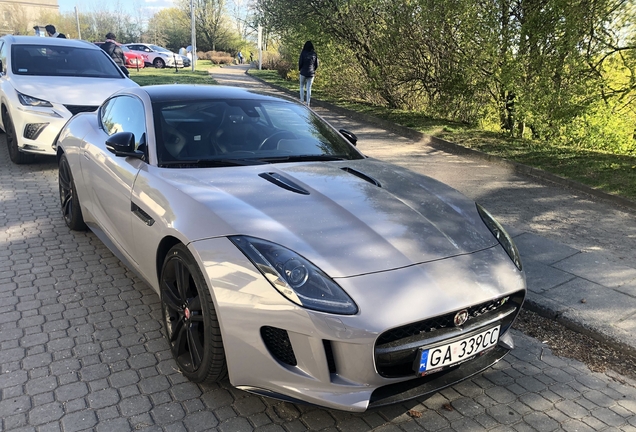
[[157, 56], [46, 81]]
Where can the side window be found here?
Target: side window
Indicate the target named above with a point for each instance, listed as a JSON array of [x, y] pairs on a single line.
[[124, 114], [3, 56]]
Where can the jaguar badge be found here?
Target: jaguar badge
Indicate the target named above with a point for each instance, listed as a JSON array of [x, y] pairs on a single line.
[[460, 318]]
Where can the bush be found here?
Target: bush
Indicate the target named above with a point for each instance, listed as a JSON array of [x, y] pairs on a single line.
[[216, 57], [273, 61]]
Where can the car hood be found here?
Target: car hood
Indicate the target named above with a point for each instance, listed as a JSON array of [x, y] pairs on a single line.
[[349, 218], [70, 90]]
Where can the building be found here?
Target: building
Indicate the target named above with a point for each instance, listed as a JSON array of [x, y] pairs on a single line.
[[20, 16]]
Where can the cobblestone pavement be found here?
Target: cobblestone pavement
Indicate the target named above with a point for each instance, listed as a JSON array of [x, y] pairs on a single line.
[[81, 348]]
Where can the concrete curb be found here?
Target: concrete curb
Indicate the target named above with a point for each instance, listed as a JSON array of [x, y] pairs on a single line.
[[451, 147]]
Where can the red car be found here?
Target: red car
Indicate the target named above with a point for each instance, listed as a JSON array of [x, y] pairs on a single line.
[[133, 60]]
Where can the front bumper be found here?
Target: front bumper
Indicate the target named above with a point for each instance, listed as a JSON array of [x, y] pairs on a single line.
[[37, 128], [278, 349]]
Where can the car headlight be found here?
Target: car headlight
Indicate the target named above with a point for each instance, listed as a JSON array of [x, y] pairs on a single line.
[[296, 278], [501, 235], [31, 101]]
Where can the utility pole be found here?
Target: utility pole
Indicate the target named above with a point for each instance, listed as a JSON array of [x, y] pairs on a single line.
[[260, 47], [79, 32], [193, 36]]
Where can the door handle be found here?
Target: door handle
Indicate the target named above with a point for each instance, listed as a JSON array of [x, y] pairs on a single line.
[[87, 156]]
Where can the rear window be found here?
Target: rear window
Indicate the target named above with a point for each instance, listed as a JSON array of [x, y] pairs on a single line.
[[46, 60]]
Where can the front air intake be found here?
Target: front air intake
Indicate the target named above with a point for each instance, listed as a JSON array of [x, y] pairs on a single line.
[[278, 343]]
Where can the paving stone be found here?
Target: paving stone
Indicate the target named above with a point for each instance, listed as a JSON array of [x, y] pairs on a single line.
[[79, 421], [47, 413], [167, 413], [103, 398], [135, 405]]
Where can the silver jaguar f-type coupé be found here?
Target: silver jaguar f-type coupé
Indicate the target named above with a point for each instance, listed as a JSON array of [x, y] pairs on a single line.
[[285, 259]]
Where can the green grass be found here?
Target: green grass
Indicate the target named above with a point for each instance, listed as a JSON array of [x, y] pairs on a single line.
[[152, 76], [612, 173]]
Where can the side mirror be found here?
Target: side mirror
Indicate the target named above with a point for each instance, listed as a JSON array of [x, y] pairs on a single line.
[[350, 136], [123, 144]]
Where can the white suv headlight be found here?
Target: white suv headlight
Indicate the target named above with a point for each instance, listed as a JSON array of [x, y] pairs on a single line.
[[31, 101]]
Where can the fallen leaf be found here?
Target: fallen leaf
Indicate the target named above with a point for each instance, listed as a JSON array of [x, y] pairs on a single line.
[[447, 407], [415, 414]]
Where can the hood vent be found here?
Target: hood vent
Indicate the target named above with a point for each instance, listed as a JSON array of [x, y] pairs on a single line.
[[362, 175], [76, 109], [283, 182]]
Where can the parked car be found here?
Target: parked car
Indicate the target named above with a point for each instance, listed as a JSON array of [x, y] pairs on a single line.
[[283, 256], [157, 56], [133, 59], [44, 82]]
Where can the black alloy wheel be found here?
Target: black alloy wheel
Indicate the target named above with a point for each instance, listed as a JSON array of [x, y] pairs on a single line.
[[69, 201], [190, 318], [16, 156], [159, 63]]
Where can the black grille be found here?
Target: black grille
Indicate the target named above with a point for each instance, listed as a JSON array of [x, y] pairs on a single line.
[[396, 349], [432, 324], [331, 362], [76, 109], [278, 343]]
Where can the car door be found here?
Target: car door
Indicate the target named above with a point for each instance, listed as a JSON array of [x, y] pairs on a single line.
[[110, 178], [144, 51]]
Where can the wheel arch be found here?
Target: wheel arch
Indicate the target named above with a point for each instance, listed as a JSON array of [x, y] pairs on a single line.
[[162, 250], [59, 153]]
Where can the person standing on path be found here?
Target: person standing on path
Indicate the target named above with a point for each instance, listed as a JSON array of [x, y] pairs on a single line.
[[307, 65]]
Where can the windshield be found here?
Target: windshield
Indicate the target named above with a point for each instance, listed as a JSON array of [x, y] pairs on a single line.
[[204, 133], [160, 49], [46, 60], [124, 48]]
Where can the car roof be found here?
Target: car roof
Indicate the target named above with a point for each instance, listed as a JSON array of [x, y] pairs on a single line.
[[51, 41], [194, 92]]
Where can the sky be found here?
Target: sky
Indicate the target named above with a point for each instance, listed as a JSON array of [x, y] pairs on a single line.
[[129, 6]]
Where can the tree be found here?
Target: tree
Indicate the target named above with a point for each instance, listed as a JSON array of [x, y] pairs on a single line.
[[170, 27], [211, 22]]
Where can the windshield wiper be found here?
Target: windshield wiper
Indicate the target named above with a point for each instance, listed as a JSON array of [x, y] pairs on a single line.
[[304, 158], [204, 163]]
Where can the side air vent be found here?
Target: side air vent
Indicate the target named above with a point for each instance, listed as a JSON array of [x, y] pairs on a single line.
[[283, 182], [362, 175], [278, 343], [331, 361]]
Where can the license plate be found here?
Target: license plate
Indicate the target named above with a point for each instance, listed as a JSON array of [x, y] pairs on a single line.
[[439, 357]]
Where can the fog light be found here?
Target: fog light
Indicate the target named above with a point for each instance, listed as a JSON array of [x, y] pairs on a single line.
[[33, 130]]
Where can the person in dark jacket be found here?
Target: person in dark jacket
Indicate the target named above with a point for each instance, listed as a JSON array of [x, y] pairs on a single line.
[[50, 30], [307, 65], [113, 49]]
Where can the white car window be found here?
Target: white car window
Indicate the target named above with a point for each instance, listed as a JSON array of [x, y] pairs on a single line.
[[3, 56], [49, 60]]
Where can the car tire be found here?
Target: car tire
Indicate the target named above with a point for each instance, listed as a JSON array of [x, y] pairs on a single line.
[[159, 63], [190, 319], [69, 201], [16, 156]]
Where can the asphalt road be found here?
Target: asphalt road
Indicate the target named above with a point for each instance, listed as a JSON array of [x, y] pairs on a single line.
[[81, 344]]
